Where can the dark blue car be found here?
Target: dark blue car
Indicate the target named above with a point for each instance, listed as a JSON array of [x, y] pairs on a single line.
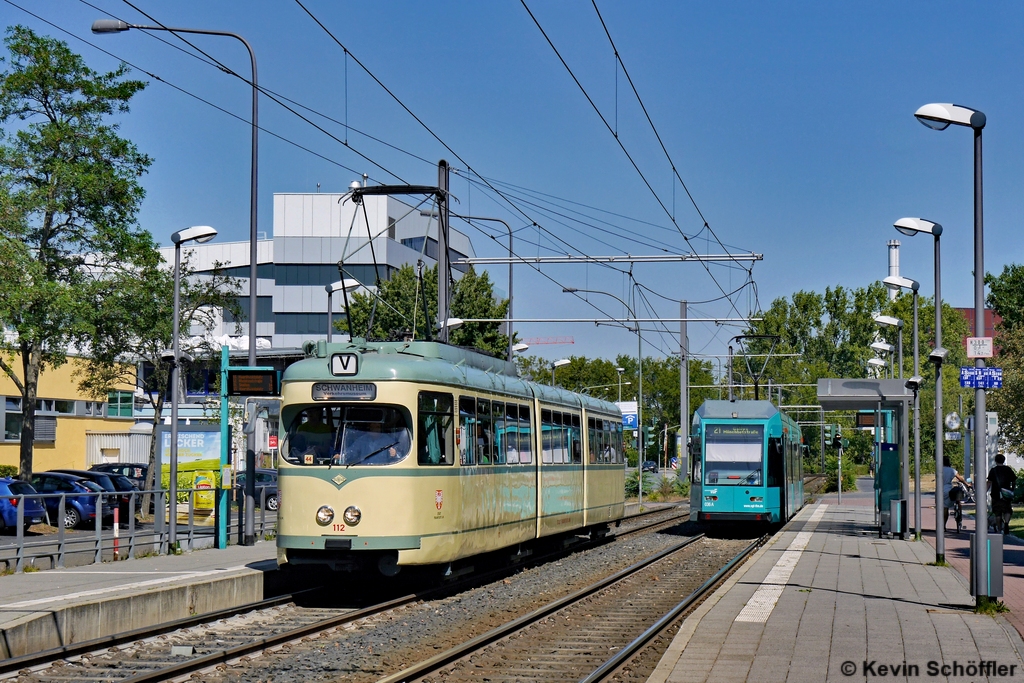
[[10, 489], [80, 499]]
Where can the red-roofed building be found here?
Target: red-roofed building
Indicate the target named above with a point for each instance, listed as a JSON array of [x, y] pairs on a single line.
[[991, 320]]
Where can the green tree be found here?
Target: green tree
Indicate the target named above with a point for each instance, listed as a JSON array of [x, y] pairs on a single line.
[[1009, 401], [403, 304], [132, 323], [69, 196], [1006, 295]]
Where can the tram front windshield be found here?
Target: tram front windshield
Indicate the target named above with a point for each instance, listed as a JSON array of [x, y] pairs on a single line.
[[734, 454], [348, 435]]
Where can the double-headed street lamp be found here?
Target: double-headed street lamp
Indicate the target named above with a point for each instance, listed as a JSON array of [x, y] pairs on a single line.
[[117, 26], [887, 349], [890, 321], [200, 234]]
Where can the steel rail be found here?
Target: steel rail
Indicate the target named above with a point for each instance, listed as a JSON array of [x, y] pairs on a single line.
[[41, 659], [670, 617], [455, 653], [13, 664]]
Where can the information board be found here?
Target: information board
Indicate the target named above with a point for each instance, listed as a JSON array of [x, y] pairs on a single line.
[[981, 378], [252, 382]]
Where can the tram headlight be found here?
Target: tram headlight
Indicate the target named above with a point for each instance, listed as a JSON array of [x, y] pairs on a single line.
[[352, 515], [325, 515]]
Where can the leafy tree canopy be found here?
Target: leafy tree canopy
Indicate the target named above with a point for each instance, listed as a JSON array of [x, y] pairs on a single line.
[[1006, 295], [69, 196], [404, 304]]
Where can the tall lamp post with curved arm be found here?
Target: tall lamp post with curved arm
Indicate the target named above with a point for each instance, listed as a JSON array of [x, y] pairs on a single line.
[[117, 26], [199, 234], [939, 117]]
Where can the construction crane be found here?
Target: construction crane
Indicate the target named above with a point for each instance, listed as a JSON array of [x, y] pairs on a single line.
[[538, 341]]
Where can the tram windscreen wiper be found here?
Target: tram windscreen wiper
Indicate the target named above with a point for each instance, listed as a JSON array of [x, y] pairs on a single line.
[[370, 455]]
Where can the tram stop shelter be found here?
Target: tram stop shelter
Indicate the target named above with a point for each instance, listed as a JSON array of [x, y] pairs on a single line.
[[892, 449]]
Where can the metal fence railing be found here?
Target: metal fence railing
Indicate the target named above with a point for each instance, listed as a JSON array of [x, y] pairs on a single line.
[[99, 538]]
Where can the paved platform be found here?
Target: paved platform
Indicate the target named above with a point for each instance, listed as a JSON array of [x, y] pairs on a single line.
[[827, 599], [46, 609]]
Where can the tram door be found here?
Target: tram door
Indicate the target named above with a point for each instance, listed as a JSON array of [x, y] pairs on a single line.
[[777, 474]]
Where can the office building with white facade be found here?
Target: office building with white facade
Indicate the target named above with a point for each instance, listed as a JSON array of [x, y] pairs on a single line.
[[312, 233]]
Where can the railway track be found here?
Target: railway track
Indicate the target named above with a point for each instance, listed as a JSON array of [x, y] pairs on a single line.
[[587, 635], [179, 648]]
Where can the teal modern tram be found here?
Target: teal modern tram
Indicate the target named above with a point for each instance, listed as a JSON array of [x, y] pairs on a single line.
[[746, 463]]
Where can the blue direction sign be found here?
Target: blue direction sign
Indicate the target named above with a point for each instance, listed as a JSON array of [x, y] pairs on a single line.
[[981, 378], [629, 414]]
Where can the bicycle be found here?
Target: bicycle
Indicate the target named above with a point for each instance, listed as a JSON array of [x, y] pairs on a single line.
[[957, 495]]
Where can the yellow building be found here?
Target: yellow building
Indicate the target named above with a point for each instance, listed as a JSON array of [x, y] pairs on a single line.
[[63, 416]]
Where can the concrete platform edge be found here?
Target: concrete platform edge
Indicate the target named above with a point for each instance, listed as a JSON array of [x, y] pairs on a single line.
[[50, 628], [668, 661]]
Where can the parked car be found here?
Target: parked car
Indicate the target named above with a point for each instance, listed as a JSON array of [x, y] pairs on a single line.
[[135, 471], [650, 466], [34, 510], [80, 501], [265, 479], [112, 483]]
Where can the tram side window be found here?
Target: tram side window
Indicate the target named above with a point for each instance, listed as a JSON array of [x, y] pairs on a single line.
[[467, 430], [558, 436], [484, 432], [592, 445], [511, 434], [547, 437], [500, 437], [776, 461], [696, 466], [435, 429], [619, 454], [575, 439], [525, 436]]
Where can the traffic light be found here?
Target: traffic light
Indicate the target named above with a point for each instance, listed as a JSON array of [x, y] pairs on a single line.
[[650, 438], [837, 439], [828, 433]]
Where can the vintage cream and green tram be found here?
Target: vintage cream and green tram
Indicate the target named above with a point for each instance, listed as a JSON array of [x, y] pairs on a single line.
[[418, 453]]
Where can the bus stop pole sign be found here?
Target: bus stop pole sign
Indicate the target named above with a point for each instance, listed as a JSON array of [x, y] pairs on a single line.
[[981, 378]]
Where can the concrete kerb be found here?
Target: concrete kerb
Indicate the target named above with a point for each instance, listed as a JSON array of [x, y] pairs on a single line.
[[689, 626], [44, 629]]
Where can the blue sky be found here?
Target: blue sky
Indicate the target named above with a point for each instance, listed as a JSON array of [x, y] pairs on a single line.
[[790, 123]]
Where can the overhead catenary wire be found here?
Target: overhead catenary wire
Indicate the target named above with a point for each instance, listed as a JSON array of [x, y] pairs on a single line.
[[622, 146]]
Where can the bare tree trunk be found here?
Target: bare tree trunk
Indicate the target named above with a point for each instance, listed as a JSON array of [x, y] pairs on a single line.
[[30, 361]]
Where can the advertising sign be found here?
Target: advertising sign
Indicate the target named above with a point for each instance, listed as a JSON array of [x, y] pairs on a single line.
[[198, 462]]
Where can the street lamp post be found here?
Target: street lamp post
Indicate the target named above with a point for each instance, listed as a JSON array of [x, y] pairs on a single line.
[[117, 26], [890, 321], [557, 364], [347, 285], [887, 349], [915, 381], [939, 117], [878, 364], [895, 283], [620, 371], [910, 227], [200, 234]]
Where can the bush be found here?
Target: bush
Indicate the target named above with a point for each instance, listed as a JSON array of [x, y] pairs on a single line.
[[8, 470], [832, 478], [631, 484], [682, 487]]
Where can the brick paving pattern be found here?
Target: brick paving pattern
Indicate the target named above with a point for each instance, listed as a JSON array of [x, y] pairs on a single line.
[[852, 599]]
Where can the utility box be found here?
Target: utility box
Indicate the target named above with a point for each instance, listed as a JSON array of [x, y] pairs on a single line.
[[898, 517], [994, 554], [888, 485]]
